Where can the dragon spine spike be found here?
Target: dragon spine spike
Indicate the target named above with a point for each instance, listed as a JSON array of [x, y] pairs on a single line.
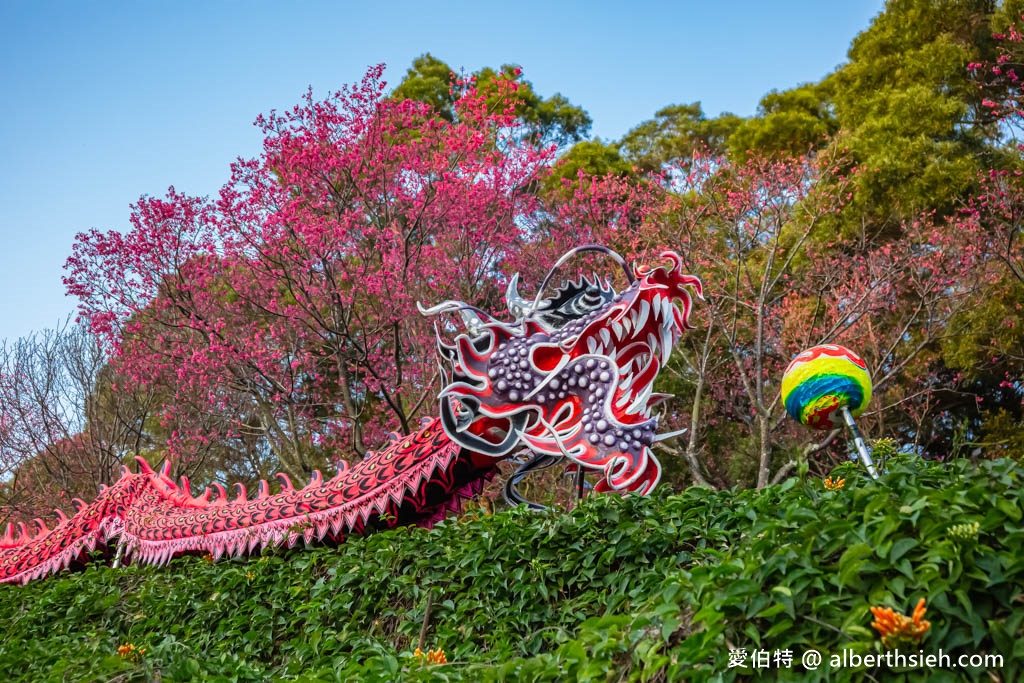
[[570, 379]]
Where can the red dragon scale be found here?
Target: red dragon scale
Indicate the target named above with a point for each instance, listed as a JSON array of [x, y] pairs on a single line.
[[570, 377]]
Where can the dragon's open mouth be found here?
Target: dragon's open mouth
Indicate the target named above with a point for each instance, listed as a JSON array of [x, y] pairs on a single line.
[[638, 342]]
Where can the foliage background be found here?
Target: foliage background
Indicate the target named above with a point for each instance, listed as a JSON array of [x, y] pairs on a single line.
[[274, 327], [644, 589]]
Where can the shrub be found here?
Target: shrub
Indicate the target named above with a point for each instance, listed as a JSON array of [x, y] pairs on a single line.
[[659, 588]]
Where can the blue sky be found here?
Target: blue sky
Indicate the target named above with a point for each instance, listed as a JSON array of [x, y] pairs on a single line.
[[107, 101]]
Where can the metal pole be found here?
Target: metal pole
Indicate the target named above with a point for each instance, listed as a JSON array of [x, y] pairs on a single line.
[[118, 554], [862, 449], [580, 480]]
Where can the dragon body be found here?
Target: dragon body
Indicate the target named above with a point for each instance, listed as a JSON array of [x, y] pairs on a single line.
[[568, 379]]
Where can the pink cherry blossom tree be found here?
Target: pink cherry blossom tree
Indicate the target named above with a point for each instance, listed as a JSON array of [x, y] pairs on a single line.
[[283, 313]]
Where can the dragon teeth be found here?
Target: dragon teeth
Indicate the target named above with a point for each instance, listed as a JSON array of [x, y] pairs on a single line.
[[645, 395], [617, 329], [670, 311], [623, 400], [640, 402], [645, 311], [666, 344], [627, 381], [605, 337], [592, 346]]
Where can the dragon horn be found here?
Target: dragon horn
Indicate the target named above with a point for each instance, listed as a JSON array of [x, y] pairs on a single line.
[[517, 305]]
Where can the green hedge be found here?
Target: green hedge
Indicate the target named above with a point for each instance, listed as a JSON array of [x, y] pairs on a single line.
[[629, 588]]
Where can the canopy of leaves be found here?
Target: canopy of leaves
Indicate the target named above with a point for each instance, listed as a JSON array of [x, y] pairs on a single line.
[[908, 108], [553, 119], [590, 158], [675, 133], [788, 123]]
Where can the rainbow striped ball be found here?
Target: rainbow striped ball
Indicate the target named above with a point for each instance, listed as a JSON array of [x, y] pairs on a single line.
[[821, 381]]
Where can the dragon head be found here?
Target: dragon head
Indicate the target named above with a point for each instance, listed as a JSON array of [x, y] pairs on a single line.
[[572, 375]]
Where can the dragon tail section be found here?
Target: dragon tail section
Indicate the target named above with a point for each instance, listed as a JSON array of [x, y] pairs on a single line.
[[418, 479]]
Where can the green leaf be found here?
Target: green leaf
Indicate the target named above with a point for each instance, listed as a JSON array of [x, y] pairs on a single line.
[[900, 548], [1009, 508]]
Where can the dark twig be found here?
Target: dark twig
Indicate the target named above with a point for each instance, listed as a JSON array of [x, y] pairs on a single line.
[[426, 620]]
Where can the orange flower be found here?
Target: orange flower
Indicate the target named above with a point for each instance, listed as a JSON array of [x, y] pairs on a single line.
[[432, 657], [896, 628], [834, 484], [130, 652]]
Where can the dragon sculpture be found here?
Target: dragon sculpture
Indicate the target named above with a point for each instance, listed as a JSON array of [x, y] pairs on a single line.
[[569, 378]]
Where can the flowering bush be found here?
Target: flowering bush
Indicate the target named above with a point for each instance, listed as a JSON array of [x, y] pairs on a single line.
[[656, 588]]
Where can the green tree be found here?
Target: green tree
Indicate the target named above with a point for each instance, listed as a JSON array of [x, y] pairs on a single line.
[[432, 81], [908, 109], [788, 123], [674, 133], [553, 119], [591, 157]]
